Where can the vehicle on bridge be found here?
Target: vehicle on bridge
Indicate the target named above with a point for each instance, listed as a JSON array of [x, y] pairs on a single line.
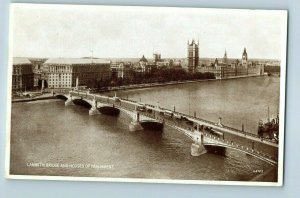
[[187, 121], [168, 113], [213, 131], [141, 107], [177, 116], [81, 88]]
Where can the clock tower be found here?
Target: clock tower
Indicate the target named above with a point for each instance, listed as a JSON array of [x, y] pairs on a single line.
[[245, 59]]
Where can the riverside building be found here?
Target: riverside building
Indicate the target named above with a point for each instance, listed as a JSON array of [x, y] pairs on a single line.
[[38, 70], [232, 68], [120, 69], [63, 72], [193, 55], [22, 74]]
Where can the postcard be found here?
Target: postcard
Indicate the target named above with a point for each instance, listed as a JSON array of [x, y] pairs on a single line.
[[146, 94]]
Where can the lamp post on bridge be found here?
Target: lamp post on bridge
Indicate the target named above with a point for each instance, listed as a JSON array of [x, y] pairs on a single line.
[[77, 83], [220, 122]]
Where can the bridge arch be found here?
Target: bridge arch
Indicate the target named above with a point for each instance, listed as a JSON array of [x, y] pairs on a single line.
[[63, 97], [75, 100], [82, 102]]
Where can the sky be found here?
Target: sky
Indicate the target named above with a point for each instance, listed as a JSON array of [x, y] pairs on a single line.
[[53, 31]]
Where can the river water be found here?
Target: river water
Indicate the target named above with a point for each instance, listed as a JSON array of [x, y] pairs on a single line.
[[48, 138]]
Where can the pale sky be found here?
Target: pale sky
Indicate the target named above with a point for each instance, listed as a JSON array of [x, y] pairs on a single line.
[[130, 32]]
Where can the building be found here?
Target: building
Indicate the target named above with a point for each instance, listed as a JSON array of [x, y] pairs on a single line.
[[245, 58], [193, 55], [38, 70], [121, 69], [158, 62], [144, 66], [156, 57], [114, 67], [231, 68], [125, 70], [22, 74], [63, 72], [225, 59]]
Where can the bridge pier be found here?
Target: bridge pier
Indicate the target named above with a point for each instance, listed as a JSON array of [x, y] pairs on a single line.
[[93, 110], [69, 101], [135, 124], [197, 147]]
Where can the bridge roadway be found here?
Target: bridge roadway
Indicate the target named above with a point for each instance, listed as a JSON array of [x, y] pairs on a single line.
[[216, 135]]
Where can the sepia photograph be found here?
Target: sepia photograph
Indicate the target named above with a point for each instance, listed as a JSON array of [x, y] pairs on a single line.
[[146, 94]]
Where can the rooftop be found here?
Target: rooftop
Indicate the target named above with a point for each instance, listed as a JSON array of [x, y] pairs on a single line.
[[143, 59], [72, 61], [20, 61]]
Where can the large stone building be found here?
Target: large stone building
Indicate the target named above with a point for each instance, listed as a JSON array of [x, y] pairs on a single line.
[[143, 63], [38, 70], [121, 69], [231, 68], [143, 66], [171, 63], [22, 74], [63, 72], [156, 57], [193, 55]]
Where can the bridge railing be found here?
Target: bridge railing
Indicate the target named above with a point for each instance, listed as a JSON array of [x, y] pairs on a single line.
[[221, 141], [232, 144], [241, 147], [229, 128], [64, 91]]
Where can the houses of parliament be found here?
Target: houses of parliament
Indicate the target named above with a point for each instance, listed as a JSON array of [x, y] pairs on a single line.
[[222, 68]]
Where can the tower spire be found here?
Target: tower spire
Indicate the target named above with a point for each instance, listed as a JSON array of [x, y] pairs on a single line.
[[225, 57]]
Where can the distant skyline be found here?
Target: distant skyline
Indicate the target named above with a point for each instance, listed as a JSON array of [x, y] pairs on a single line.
[[129, 32]]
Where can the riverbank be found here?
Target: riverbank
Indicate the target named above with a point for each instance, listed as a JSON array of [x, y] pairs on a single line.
[[47, 96], [44, 96], [149, 85]]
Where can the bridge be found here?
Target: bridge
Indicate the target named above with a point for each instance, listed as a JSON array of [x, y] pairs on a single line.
[[205, 135]]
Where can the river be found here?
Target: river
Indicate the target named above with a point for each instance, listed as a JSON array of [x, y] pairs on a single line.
[[48, 138]]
